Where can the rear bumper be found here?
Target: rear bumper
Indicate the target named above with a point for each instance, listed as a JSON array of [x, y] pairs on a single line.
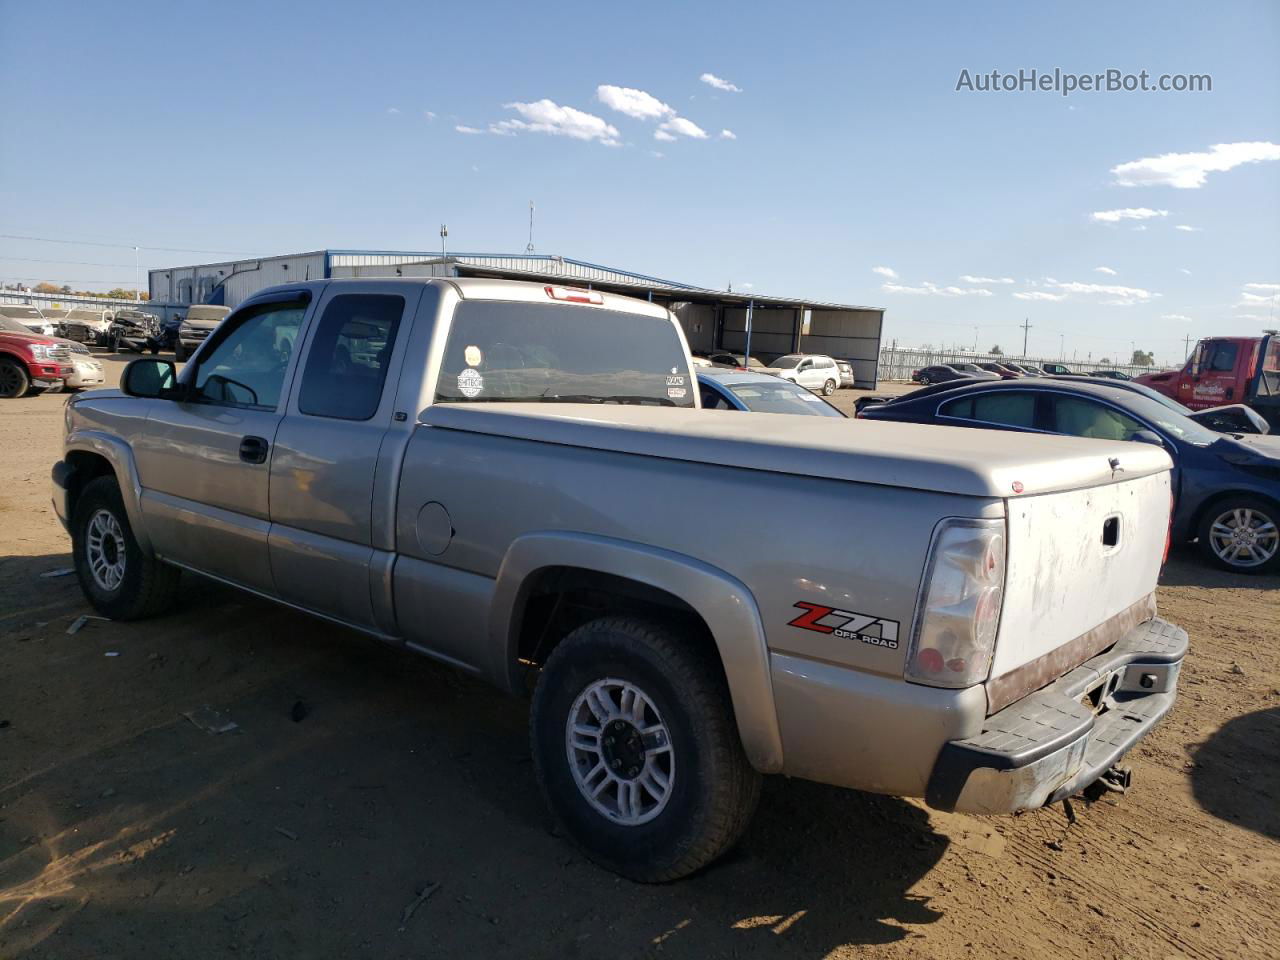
[[1052, 743]]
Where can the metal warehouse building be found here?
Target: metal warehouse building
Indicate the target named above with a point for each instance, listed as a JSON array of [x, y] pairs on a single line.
[[712, 319]]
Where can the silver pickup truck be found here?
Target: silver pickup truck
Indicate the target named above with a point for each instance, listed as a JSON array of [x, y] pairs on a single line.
[[517, 480]]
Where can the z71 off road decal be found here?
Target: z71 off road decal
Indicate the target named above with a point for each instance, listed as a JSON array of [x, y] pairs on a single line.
[[847, 625]]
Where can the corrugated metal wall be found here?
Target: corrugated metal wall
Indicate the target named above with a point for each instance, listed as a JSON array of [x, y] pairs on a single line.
[[241, 279], [699, 322]]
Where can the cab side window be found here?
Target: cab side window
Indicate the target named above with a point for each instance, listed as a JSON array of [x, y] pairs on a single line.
[[1223, 359], [246, 366], [348, 357]]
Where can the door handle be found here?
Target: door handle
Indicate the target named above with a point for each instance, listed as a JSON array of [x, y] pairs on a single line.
[[253, 450]]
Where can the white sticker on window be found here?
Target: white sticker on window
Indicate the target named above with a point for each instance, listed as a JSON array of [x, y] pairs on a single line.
[[470, 383], [673, 381], [810, 397], [473, 356], [676, 393]]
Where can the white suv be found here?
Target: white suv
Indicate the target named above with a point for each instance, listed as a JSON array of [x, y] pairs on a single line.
[[816, 371]]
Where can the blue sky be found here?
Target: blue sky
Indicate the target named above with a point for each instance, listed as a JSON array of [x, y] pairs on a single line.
[[275, 128]]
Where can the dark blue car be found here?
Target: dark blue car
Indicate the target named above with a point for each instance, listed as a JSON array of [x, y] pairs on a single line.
[[1226, 487]]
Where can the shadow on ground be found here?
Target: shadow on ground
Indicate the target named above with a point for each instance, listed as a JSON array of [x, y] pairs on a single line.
[[1251, 799], [358, 776]]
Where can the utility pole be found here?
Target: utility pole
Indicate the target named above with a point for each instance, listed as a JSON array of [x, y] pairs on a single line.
[[1026, 325], [1062, 346], [975, 339], [444, 236], [1186, 346], [137, 275], [529, 248]]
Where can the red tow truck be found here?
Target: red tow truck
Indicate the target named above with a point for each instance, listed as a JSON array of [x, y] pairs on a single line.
[[1227, 370]]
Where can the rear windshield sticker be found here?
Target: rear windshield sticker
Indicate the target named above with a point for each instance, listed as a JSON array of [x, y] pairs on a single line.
[[675, 381], [810, 397], [470, 383], [473, 356], [676, 393]]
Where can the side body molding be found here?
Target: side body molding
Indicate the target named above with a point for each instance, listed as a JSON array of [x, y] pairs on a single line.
[[723, 602], [120, 455]]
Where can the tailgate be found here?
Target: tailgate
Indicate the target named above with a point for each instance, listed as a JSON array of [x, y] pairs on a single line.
[[1077, 559]]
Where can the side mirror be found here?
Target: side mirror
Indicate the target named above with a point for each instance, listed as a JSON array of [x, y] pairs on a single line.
[[1141, 436], [149, 378]]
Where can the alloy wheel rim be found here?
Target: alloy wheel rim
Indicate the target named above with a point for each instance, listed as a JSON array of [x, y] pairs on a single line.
[[1244, 537], [620, 752], [104, 548]]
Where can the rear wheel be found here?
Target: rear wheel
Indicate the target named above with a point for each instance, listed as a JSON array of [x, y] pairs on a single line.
[[637, 752], [1242, 534], [118, 579], [14, 380], [828, 388]]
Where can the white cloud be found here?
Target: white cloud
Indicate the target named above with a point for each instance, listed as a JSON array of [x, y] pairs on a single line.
[[889, 272], [1120, 296], [1188, 171], [747, 286], [681, 126], [968, 279], [657, 154], [1178, 317], [393, 110], [928, 289], [547, 116], [1251, 316], [1184, 270], [1126, 213], [1262, 286], [429, 114], [1107, 270], [1187, 229], [1249, 299], [728, 135], [663, 136], [1040, 295], [632, 102], [461, 128], [711, 80]]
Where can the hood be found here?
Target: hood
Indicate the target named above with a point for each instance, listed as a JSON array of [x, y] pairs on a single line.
[[977, 463], [1249, 450]]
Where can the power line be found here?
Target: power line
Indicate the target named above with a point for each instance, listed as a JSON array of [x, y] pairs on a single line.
[[119, 246], [78, 263]]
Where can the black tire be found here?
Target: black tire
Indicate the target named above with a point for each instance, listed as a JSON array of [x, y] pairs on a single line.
[[714, 789], [14, 379], [828, 388], [1264, 525], [148, 586]]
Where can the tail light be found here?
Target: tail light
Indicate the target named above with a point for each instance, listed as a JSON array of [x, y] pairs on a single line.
[[958, 612], [575, 295]]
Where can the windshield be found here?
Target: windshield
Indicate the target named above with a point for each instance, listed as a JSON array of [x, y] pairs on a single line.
[[9, 325], [785, 363], [507, 352], [1167, 419], [781, 397]]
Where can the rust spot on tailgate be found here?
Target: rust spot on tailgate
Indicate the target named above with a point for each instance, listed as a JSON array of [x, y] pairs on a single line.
[[1016, 684]]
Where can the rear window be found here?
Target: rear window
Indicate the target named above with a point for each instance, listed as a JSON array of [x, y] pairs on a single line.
[[510, 352], [786, 363]]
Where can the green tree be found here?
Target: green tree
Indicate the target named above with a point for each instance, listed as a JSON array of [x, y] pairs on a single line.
[[1142, 358], [996, 351]]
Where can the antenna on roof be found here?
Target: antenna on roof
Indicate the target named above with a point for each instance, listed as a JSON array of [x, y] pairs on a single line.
[[444, 235], [529, 247]]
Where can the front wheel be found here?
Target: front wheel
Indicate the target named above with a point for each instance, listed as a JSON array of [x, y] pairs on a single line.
[[14, 379], [637, 752], [1242, 534], [828, 388], [118, 579]]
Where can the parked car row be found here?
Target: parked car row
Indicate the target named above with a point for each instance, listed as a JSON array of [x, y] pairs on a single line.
[[814, 371], [33, 362]]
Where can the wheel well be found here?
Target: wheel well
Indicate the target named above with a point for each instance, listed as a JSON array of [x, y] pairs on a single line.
[[1217, 498], [561, 599], [85, 466]]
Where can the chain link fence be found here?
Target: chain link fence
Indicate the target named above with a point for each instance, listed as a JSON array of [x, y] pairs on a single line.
[[900, 363]]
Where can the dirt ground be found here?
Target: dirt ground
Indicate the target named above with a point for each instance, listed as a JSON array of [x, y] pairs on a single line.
[[361, 777]]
